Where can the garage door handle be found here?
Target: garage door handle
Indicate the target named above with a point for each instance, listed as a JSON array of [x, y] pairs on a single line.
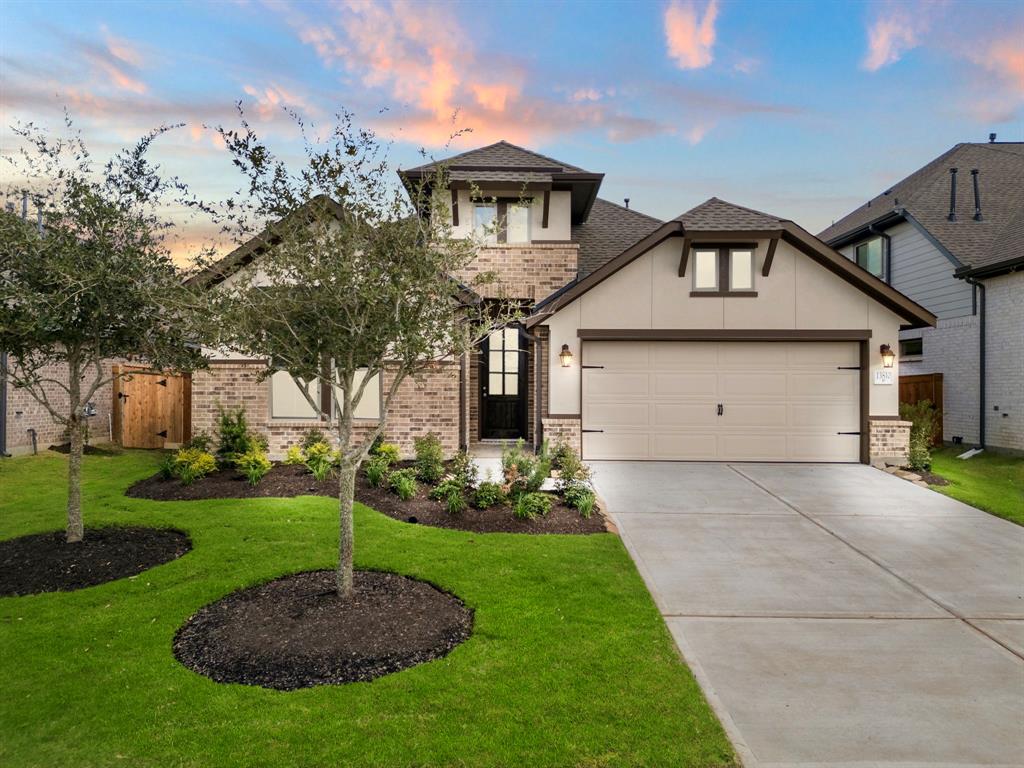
[[721, 409]]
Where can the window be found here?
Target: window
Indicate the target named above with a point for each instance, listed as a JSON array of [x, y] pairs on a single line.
[[517, 223], [869, 256], [911, 348], [741, 270], [287, 400], [368, 406], [705, 270], [485, 217], [503, 362]]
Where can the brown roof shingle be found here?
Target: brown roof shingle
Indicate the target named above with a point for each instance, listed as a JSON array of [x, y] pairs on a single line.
[[715, 214], [608, 231], [924, 195]]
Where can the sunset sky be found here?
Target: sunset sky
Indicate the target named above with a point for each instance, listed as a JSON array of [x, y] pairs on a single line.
[[801, 109]]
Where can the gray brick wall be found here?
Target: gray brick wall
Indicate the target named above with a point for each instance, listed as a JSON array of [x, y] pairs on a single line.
[[1004, 388]]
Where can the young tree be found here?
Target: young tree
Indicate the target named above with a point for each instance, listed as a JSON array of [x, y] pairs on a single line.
[[89, 280], [354, 280]]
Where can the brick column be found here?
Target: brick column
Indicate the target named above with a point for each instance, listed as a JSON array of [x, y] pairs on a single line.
[[889, 441]]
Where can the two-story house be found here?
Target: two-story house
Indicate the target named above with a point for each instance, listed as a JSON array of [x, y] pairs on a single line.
[[951, 237], [722, 334]]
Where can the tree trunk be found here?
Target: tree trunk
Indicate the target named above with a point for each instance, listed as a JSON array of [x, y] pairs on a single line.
[[346, 499], [75, 529]]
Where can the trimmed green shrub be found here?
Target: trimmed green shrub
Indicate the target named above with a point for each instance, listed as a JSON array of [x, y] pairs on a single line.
[[311, 437], [319, 460], [293, 457], [429, 458], [376, 470], [202, 441], [560, 453], [531, 505], [234, 437], [254, 465], [451, 492], [403, 483], [388, 451], [488, 494], [191, 464], [924, 418], [580, 497], [572, 470]]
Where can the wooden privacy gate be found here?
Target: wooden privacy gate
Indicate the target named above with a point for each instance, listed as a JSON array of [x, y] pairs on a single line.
[[151, 409], [927, 386]]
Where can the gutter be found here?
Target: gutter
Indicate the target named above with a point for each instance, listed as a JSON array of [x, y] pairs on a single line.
[[886, 219], [980, 287]]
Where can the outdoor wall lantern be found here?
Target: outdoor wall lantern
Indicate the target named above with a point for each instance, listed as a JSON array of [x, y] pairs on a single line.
[[565, 356], [888, 356]]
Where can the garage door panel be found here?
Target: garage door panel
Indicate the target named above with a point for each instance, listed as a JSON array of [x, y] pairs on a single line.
[[602, 384], [679, 446], [683, 415], [782, 401], [618, 414], [683, 385], [616, 445]]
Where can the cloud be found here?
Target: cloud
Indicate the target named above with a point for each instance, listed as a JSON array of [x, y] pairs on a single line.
[[1005, 57], [116, 59], [894, 32], [689, 38]]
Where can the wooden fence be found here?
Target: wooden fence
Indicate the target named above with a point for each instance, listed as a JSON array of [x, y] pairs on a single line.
[[151, 409], [927, 386]]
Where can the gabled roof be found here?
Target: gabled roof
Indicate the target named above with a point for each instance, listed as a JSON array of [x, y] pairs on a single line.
[[923, 198], [608, 231], [716, 219]]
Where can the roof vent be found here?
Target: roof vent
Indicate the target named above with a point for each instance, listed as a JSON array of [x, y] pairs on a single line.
[[626, 201], [977, 195], [952, 194], [991, 138]]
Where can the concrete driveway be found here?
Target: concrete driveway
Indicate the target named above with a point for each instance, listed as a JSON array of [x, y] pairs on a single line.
[[834, 614]]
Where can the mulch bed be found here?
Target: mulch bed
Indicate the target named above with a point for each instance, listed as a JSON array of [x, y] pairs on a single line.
[[89, 450], [296, 632], [286, 481], [930, 477], [45, 562]]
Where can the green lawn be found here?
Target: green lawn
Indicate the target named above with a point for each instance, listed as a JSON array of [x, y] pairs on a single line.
[[569, 664], [989, 481]]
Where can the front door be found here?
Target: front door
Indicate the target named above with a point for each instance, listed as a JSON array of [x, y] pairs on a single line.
[[503, 385]]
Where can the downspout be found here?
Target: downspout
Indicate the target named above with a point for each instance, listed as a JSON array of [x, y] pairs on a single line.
[[980, 288], [887, 239]]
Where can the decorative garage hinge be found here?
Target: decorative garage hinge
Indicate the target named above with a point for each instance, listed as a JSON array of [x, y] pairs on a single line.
[[849, 368], [591, 366], [849, 433], [591, 430], [162, 382]]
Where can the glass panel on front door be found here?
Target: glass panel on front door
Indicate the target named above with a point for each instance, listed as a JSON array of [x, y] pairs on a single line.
[[503, 362], [503, 385]]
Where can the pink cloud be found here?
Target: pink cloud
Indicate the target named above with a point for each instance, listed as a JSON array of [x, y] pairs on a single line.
[[690, 37], [892, 34], [1005, 57]]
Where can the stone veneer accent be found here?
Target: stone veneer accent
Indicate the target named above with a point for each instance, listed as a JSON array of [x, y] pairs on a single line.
[[888, 441], [564, 430], [24, 413], [429, 403], [524, 271]]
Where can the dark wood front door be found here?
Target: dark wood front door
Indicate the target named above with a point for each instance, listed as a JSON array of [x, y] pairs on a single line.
[[503, 385]]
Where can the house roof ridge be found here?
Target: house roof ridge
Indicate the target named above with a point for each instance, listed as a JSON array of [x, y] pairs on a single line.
[[634, 211], [452, 160]]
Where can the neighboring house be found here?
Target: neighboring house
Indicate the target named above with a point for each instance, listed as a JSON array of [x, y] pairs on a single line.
[[951, 237], [723, 334]]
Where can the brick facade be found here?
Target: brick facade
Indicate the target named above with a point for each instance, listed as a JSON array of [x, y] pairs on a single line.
[[24, 413], [1004, 362], [564, 430], [524, 271], [888, 441], [429, 403]]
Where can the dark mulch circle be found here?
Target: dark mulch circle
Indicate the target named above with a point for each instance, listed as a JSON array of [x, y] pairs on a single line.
[[88, 450], [286, 481], [295, 632], [45, 562]]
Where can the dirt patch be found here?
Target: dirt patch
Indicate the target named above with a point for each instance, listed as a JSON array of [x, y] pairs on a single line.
[[45, 562], [286, 481], [88, 450], [295, 632], [930, 477]]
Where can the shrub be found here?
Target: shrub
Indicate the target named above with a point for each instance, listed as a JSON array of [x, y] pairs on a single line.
[[571, 470], [531, 505], [463, 470], [234, 437], [388, 451], [580, 497], [167, 467], [311, 437], [294, 456], [202, 441], [559, 455], [924, 418], [377, 471], [254, 465], [429, 458], [191, 464], [451, 492], [488, 494], [403, 482]]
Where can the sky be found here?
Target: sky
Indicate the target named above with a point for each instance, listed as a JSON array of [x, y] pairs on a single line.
[[801, 109]]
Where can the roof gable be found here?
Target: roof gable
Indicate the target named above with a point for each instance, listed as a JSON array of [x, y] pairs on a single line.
[[501, 155]]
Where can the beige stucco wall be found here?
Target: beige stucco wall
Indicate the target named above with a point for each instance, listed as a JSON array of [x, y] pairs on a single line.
[[559, 212], [648, 293]]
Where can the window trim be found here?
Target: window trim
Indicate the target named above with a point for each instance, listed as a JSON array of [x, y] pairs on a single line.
[[718, 269], [723, 270], [883, 257], [911, 356], [317, 416]]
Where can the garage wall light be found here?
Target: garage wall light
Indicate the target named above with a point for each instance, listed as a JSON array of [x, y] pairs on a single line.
[[888, 356], [565, 356]]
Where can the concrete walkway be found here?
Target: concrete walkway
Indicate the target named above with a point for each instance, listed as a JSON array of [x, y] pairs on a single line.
[[834, 615]]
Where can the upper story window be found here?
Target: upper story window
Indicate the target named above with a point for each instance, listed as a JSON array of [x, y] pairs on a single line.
[[721, 271], [870, 257], [502, 221]]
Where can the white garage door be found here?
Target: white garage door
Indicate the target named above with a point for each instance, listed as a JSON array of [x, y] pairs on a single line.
[[721, 401]]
